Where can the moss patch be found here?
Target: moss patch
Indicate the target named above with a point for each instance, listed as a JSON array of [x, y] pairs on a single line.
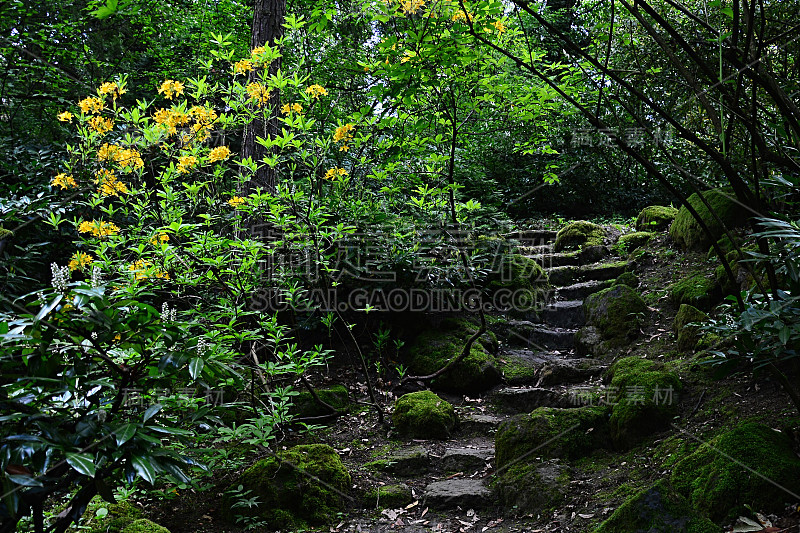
[[688, 336], [579, 234], [657, 509], [532, 486], [655, 218], [289, 489], [523, 277], [627, 278], [698, 290], [631, 241], [616, 312], [721, 487], [389, 496], [569, 433], [434, 348], [686, 232], [305, 405], [423, 415], [144, 526], [119, 516]]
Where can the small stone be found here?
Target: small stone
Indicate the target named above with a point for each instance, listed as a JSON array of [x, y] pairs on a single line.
[[466, 459], [464, 493]]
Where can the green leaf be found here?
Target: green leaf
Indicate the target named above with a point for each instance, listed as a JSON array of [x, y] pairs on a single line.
[[195, 367], [124, 433], [143, 468], [49, 307], [83, 463], [25, 481], [152, 411]]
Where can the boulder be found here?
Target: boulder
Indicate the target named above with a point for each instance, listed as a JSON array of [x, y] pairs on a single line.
[[616, 312], [627, 278], [119, 516], [304, 405], [523, 278], [631, 241], [579, 234], [698, 290], [532, 486], [423, 415], [144, 526], [389, 496], [409, 461], [655, 218], [686, 232], [688, 336]]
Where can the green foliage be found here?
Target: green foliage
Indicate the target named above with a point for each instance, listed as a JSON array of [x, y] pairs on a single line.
[[685, 230], [424, 415], [144, 526]]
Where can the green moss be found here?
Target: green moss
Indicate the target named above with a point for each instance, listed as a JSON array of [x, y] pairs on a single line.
[[647, 400], [119, 516], [389, 496], [423, 415], [717, 484], [688, 336], [434, 348], [5, 233], [518, 370], [304, 404], [616, 312], [697, 290], [631, 241], [522, 276], [686, 232], [657, 509], [579, 233], [303, 484], [552, 432], [627, 278], [532, 486], [144, 526], [655, 218]]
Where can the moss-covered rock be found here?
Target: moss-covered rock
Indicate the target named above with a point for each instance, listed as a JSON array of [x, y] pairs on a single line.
[[389, 496], [616, 312], [579, 234], [655, 218], [751, 465], [119, 516], [647, 400], [144, 526], [627, 278], [302, 485], [477, 372], [697, 289], [686, 232], [423, 415], [532, 486], [688, 336], [523, 277], [657, 509], [304, 404], [631, 241], [552, 432]]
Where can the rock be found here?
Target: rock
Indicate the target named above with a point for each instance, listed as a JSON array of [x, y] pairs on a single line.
[[144, 526], [520, 367], [552, 432], [526, 399], [627, 278], [631, 241], [579, 291], [389, 496], [523, 278], [289, 489], [655, 218], [646, 400], [560, 371], [688, 336], [564, 314], [698, 290], [304, 404], [409, 461], [589, 342], [431, 351], [119, 516], [561, 276], [616, 312], [579, 234], [657, 509], [532, 486], [686, 232], [717, 484], [467, 460], [464, 493], [479, 424], [423, 415]]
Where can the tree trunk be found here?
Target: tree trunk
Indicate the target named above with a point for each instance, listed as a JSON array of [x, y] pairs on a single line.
[[268, 18]]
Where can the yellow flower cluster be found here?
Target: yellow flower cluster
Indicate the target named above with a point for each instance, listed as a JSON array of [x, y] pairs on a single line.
[[98, 228], [408, 55], [344, 134], [316, 91], [203, 119], [257, 52], [236, 201], [258, 92], [499, 26], [109, 184], [218, 154], [334, 173], [159, 238], [144, 269], [242, 67], [111, 88], [101, 124], [127, 158], [171, 118], [79, 261], [65, 181], [171, 88], [460, 16], [91, 105], [410, 7], [186, 163], [288, 109], [66, 116]]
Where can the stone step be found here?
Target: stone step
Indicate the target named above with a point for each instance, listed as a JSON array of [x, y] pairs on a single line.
[[538, 250], [464, 493], [568, 275], [408, 461], [533, 236], [526, 399], [569, 371], [542, 337], [467, 460], [548, 260], [564, 314], [479, 424], [579, 291]]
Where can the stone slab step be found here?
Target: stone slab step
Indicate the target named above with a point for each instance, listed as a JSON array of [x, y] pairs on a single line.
[[568, 275], [467, 460], [579, 291], [539, 337], [464, 493], [569, 371], [526, 399], [564, 314], [533, 235], [479, 424], [549, 260], [409, 461]]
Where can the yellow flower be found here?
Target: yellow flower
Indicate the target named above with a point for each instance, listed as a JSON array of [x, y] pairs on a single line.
[[111, 88], [236, 201], [288, 109], [65, 181], [109, 184], [98, 228], [316, 91], [159, 238], [101, 124], [344, 133], [66, 116], [459, 15], [411, 6], [258, 92], [91, 105], [185, 163], [334, 173], [408, 55], [257, 52], [171, 88], [218, 154], [243, 66], [79, 261], [499, 26], [171, 119], [127, 158], [144, 269]]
